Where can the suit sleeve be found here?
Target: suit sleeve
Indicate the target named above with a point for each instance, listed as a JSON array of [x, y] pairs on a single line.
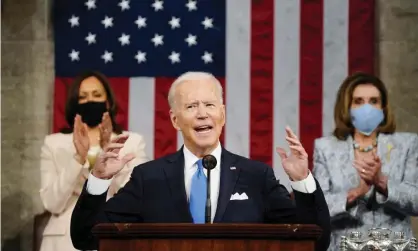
[[403, 195], [57, 184], [90, 210], [336, 200], [124, 175], [307, 208]]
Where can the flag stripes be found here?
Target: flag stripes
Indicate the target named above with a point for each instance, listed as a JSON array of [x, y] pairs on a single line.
[[285, 61]]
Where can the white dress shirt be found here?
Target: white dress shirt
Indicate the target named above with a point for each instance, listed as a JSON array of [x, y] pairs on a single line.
[[190, 167], [96, 186]]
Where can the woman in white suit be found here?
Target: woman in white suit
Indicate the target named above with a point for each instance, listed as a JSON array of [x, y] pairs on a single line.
[[67, 157], [367, 171]]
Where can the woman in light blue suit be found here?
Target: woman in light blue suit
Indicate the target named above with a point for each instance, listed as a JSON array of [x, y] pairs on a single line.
[[368, 172]]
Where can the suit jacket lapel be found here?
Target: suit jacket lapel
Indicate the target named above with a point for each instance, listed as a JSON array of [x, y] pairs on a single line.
[[174, 174], [346, 157], [227, 182], [385, 150]]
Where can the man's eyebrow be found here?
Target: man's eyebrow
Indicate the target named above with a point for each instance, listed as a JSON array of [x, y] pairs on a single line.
[[192, 102]]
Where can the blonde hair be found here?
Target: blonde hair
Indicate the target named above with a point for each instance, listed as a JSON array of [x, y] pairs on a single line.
[[189, 76]]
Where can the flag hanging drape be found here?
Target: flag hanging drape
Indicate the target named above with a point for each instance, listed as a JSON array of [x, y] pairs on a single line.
[[280, 63]]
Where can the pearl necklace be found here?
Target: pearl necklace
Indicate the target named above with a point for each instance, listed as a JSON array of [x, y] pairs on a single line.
[[365, 149]]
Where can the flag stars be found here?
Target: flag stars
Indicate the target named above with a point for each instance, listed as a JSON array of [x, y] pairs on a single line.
[[107, 56], [124, 39], [74, 21], [174, 57], [157, 40], [141, 57], [74, 55], [191, 40], [207, 57], [174, 22], [91, 38], [141, 22], [208, 23], [191, 5], [107, 22], [124, 5], [157, 5], [91, 4]]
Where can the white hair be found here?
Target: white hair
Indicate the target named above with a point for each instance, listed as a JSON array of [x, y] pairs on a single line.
[[190, 76]]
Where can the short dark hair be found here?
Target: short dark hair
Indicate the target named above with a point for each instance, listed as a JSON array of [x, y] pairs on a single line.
[[73, 96], [342, 118]]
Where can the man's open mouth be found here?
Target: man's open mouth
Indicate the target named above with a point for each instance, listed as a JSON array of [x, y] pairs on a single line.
[[203, 129]]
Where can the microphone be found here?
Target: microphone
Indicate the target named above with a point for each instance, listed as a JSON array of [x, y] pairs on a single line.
[[208, 162]]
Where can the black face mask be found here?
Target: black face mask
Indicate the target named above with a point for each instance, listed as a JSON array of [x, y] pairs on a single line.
[[92, 112]]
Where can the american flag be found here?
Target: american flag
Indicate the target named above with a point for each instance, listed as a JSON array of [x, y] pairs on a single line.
[[280, 62]]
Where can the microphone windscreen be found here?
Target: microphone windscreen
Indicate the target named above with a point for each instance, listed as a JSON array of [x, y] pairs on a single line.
[[209, 162]]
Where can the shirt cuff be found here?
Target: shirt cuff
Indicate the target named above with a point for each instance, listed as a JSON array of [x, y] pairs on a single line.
[[307, 185], [96, 186]]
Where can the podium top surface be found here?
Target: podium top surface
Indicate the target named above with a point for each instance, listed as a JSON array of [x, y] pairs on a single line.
[[215, 230]]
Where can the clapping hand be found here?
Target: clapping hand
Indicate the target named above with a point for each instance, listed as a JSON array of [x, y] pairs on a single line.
[[295, 165], [106, 130], [369, 169], [109, 162], [360, 190], [81, 139]]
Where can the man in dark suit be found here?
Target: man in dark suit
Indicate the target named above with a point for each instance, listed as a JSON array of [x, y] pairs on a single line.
[[172, 189]]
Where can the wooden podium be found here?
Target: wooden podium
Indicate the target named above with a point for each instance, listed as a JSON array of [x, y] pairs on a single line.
[[206, 237]]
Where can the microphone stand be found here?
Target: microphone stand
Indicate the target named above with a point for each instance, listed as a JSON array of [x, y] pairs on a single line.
[[209, 162], [208, 207]]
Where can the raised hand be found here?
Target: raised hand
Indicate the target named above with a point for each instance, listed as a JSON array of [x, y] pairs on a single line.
[[109, 162], [81, 139], [105, 129], [295, 165]]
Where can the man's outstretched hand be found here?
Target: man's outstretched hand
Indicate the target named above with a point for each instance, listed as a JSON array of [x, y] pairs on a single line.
[[109, 162], [296, 164]]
